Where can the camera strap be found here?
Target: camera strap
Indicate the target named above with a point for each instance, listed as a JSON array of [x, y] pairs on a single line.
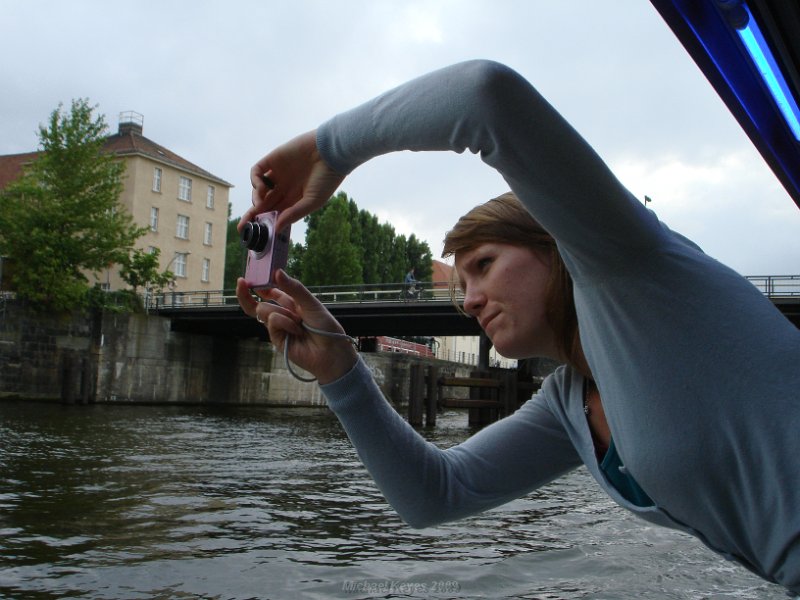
[[311, 329]]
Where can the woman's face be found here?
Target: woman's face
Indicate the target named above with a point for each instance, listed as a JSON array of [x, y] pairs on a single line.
[[504, 289]]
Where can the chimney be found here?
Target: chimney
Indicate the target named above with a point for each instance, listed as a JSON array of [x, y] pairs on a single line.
[[130, 122]]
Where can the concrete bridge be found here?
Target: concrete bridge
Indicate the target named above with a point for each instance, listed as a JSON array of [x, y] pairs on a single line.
[[383, 309], [364, 310]]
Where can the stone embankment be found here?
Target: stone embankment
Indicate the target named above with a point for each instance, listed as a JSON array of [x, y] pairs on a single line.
[[136, 358]]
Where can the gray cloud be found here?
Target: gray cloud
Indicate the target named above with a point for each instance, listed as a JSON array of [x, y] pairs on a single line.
[[223, 82]]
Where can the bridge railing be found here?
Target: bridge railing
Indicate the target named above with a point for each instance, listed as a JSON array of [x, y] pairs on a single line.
[[774, 286], [193, 299], [777, 286], [421, 291]]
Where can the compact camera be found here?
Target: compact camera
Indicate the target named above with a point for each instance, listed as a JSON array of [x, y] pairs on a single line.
[[267, 250]]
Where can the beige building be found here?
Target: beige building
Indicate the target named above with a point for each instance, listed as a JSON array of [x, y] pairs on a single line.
[[184, 207]]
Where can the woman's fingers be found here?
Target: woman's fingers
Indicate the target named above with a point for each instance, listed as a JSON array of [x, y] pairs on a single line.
[[262, 310], [279, 326], [266, 311], [245, 298], [279, 296], [293, 180], [303, 299], [283, 314]]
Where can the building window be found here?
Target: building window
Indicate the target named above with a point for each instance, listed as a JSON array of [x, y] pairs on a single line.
[[207, 235], [152, 249], [185, 189], [182, 228], [180, 264], [153, 219], [157, 180], [210, 197], [206, 270]]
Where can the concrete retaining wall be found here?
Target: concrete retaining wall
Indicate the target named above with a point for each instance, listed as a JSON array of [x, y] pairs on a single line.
[[43, 355], [136, 358]]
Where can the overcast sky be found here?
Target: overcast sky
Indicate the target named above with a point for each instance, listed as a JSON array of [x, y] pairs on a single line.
[[223, 82]]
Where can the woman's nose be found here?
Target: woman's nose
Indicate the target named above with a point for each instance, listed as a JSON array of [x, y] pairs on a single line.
[[474, 300]]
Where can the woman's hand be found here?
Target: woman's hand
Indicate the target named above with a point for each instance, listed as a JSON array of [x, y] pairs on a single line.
[[290, 304], [299, 181]]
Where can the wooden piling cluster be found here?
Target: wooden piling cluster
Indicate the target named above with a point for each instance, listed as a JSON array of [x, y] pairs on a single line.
[[492, 395]]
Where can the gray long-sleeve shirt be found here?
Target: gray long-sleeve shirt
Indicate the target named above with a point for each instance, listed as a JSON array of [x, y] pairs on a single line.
[[698, 371]]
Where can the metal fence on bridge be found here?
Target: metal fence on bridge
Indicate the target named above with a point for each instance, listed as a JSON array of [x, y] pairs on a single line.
[[777, 286], [421, 291], [773, 286]]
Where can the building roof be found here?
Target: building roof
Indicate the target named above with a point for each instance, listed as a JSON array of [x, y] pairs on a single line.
[[128, 141], [11, 166], [441, 272]]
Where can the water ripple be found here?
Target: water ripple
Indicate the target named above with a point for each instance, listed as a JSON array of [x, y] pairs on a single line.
[[221, 502]]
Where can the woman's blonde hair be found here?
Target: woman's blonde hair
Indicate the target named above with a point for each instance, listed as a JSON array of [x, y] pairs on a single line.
[[505, 220]]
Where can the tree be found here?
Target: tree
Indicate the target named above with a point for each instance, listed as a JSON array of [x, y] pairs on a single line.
[[372, 247], [331, 258], [62, 218], [419, 256], [140, 268], [234, 254], [294, 264], [385, 257]]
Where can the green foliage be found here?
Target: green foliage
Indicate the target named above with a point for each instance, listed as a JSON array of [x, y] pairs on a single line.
[[119, 301], [140, 269], [418, 255], [294, 264], [385, 256], [62, 218], [234, 255], [344, 245], [331, 257]]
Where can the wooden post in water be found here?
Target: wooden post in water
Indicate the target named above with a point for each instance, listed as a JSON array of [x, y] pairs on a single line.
[[481, 416], [510, 393], [416, 395], [432, 398], [484, 347]]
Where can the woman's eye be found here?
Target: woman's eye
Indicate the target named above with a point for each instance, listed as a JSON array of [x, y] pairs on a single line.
[[484, 262]]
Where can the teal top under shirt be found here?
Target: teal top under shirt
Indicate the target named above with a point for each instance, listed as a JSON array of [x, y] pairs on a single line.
[[623, 482]]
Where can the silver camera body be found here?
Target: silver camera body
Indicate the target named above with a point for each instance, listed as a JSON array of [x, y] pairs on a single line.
[[267, 250]]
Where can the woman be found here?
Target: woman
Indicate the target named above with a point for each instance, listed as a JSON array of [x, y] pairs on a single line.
[[681, 392]]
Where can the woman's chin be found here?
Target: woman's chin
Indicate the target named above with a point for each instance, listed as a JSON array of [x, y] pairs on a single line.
[[508, 349]]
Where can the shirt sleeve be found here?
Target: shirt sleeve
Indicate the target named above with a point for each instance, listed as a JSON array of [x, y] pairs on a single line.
[[489, 109], [427, 485]]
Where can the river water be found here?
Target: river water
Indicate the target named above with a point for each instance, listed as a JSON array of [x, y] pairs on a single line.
[[236, 503]]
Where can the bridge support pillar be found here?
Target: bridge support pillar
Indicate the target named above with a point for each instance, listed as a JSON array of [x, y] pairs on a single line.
[[484, 346]]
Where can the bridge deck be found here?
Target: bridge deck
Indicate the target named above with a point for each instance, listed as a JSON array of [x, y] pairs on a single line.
[[383, 309]]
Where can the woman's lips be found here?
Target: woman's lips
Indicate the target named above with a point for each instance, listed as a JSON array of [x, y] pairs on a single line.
[[484, 323]]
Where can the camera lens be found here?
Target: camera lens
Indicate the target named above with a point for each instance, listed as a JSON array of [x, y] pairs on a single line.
[[255, 236]]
